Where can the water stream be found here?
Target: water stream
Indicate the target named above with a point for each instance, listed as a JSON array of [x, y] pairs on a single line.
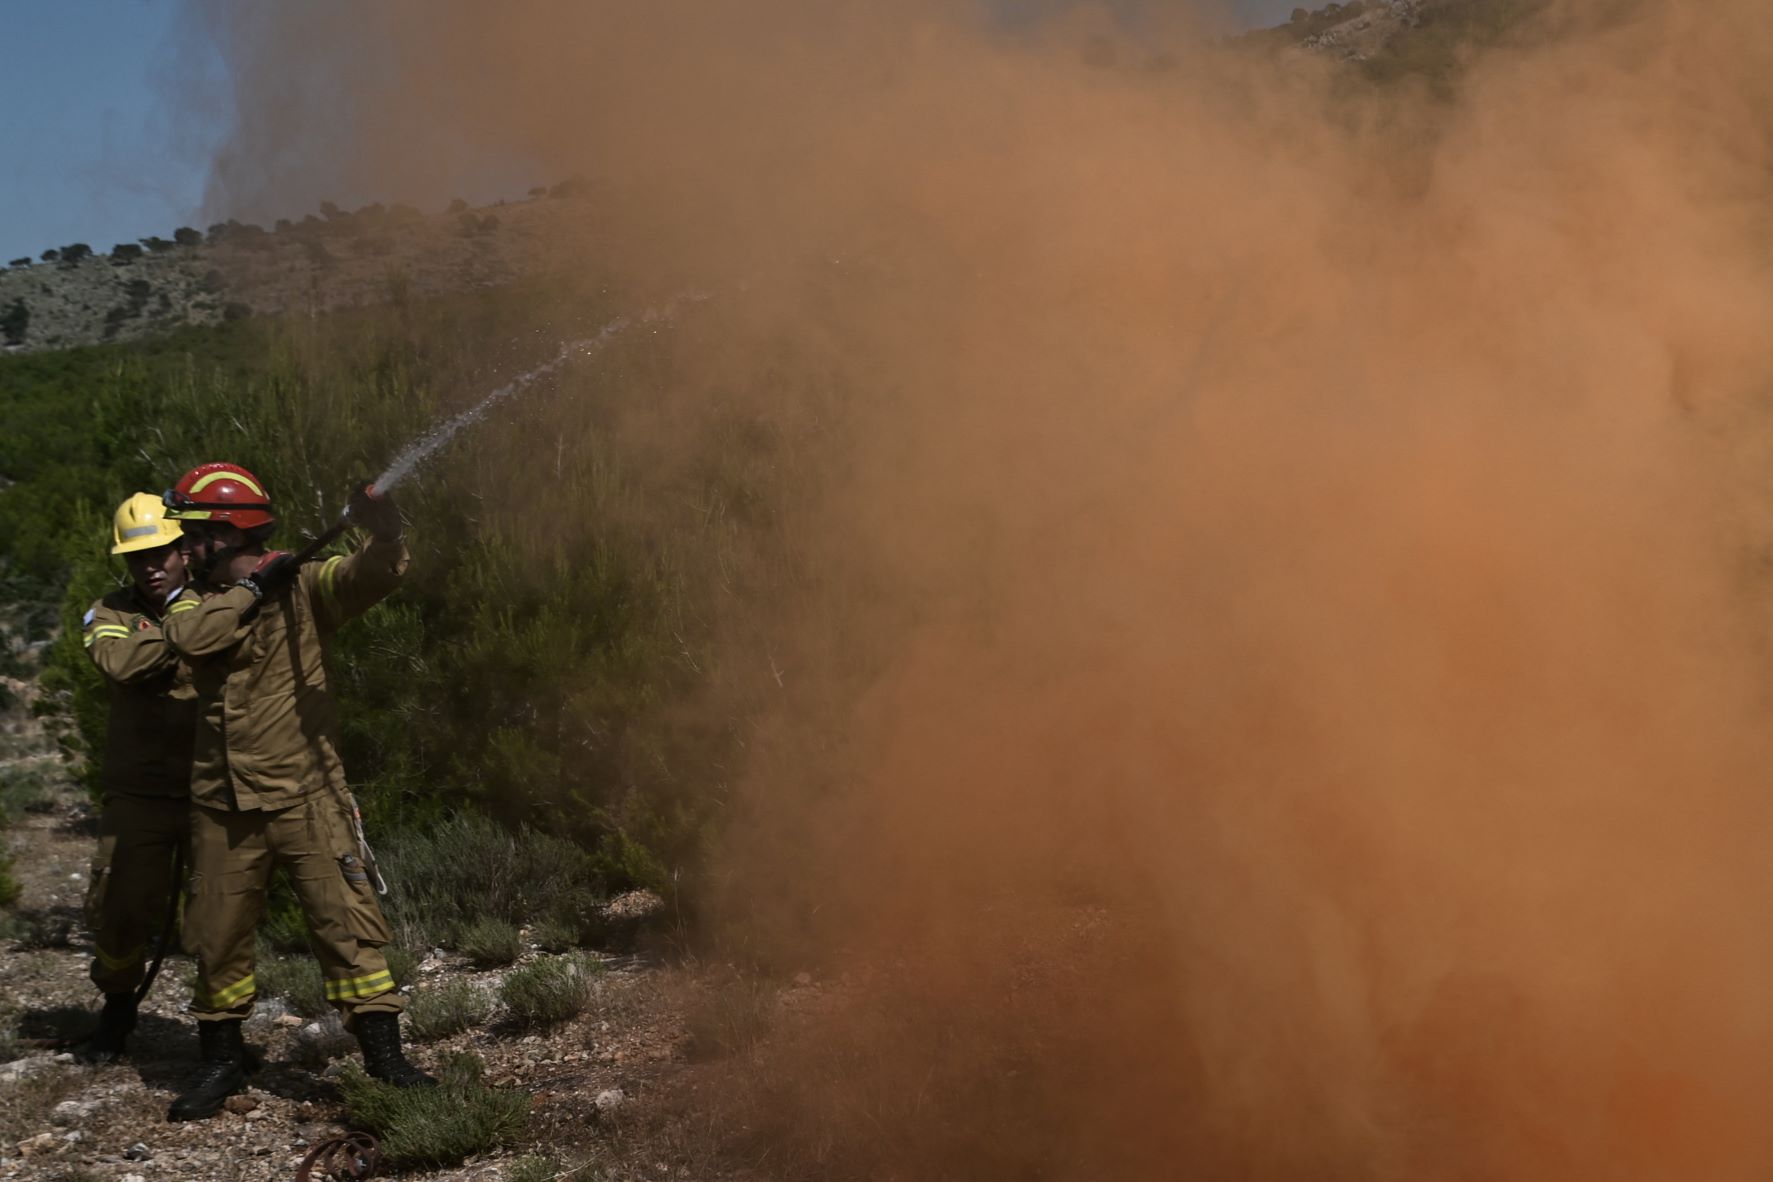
[[439, 434]]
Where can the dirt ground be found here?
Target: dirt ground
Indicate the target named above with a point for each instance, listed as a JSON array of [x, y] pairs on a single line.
[[615, 1089]]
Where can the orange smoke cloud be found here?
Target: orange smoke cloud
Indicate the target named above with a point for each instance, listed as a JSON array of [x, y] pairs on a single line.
[[1293, 546]]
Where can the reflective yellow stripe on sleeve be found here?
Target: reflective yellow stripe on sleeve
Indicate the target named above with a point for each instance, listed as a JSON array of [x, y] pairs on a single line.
[[105, 632], [182, 605], [360, 988], [329, 578]]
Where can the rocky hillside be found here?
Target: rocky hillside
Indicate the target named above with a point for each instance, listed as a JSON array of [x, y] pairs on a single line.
[[73, 296], [1388, 40], [1353, 31]]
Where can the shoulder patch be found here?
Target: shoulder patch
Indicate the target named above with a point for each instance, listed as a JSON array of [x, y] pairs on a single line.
[[86, 620]]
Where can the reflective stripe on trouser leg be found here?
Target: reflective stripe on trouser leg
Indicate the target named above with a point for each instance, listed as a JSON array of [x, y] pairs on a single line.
[[230, 872], [318, 845], [131, 884]]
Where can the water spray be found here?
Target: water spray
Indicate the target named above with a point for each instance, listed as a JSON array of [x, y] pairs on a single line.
[[433, 440]]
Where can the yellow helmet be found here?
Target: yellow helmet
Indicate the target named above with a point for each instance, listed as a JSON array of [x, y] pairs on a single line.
[[141, 524]]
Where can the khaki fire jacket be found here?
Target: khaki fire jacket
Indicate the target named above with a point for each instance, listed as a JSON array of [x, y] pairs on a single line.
[[148, 739], [267, 729]]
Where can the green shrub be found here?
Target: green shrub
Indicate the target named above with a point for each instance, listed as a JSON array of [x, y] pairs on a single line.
[[433, 1127], [27, 788], [551, 935], [532, 1168], [9, 887], [490, 943], [403, 964], [448, 1009], [284, 927], [552, 990], [450, 876], [43, 928], [295, 979]]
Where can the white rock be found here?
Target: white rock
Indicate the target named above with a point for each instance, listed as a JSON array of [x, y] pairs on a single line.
[[132, 1178], [70, 1112], [609, 1099], [22, 1069], [325, 1039]]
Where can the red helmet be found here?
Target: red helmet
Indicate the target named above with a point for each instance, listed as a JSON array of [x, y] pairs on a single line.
[[220, 492]]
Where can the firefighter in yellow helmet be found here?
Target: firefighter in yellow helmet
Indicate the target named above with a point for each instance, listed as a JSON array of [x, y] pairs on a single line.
[[267, 783], [146, 768]]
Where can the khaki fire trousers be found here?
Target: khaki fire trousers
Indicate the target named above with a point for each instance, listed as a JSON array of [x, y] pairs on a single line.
[[233, 854], [132, 883]]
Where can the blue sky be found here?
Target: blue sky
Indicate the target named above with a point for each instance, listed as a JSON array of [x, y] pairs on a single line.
[[110, 111]]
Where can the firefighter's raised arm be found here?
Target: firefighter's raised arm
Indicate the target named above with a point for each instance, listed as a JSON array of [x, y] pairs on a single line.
[[345, 586]]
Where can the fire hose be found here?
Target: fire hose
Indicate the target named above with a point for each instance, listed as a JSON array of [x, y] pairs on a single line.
[[343, 1159], [327, 536]]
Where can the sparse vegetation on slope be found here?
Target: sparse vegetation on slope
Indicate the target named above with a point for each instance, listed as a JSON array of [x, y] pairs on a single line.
[[437, 1126], [534, 667]]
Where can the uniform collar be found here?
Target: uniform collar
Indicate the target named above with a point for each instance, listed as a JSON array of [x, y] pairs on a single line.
[[153, 609]]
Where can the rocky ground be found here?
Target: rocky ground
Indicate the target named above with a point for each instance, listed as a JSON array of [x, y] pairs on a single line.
[[613, 1090]]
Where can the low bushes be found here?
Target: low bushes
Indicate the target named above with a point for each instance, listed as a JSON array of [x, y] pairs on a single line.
[[468, 880], [295, 979], [554, 989], [490, 943], [432, 1127], [448, 1009], [26, 788], [403, 965]]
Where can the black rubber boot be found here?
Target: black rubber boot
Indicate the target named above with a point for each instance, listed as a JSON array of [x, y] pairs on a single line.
[[223, 1072], [116, 1020], [379, 1036]]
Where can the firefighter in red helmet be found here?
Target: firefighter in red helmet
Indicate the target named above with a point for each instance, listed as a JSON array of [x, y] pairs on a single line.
[[267, 784]]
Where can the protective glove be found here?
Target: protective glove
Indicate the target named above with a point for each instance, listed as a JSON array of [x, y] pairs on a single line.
[[375, 512], [275, 571]]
